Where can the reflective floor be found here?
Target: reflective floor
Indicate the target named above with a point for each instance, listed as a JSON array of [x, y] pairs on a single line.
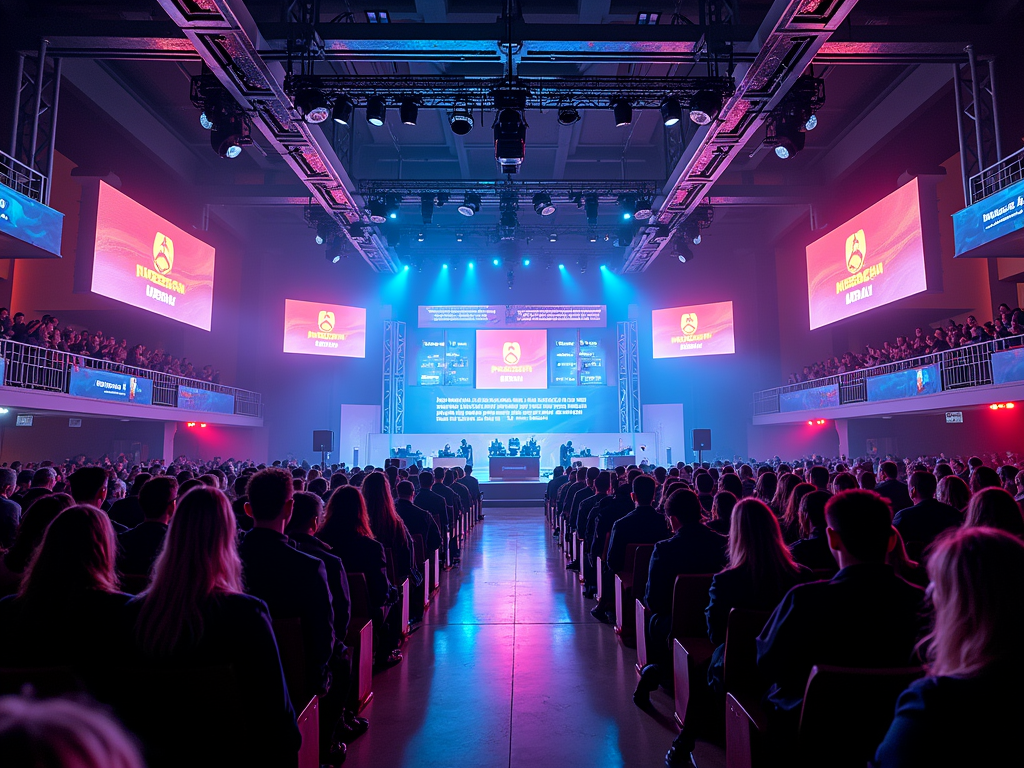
[[509, 669]]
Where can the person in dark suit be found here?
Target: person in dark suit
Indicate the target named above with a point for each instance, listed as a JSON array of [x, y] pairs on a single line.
[[705, 490], [137, 548], [473, 484], [68, 609], [451, 480], [644, 525], [693, 548], [866, 616], [892, 489], [584, 493], [812, 549], [558, 479], [128, 511], [43, 481], [347, 531], [761, 571], [196, 615], [292, 584], [450, 497], [577, 481], [238, 505], [610, 510], [10, 511], [923, 522], [435, 505], [587, 521], [416, 519], [968, 710]]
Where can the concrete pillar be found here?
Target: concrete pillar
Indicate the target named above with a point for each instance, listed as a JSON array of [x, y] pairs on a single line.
[[843, 428], [170, 429]]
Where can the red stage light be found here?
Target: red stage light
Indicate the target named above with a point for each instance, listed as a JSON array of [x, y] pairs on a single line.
[[1002, 406], [203, 425], [810, 423], [1009, 405], [192, 423]]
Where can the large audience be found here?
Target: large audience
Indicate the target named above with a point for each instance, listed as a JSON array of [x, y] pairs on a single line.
[[48, 333], [161, 591], [878, 573], [923, 341]]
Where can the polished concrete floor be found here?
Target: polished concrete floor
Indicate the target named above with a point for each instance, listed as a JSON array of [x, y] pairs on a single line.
[[509, 669]]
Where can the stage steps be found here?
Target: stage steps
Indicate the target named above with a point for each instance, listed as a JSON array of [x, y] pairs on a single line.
[[513, 493]]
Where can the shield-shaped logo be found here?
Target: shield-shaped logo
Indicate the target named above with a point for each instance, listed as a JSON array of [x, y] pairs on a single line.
[[855, 251], [511, 352], [325, 320], [688, 323], [163, 253]]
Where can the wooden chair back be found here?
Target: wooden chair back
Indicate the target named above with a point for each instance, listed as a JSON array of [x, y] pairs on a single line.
[[641, 567], [630, 559], [740, 663], [847, 711], [359, 596], [419, 548], [689, 599], [293, 658]]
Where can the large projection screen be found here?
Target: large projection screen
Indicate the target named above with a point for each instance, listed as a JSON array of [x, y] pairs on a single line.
[[318, 328], [693, 330]]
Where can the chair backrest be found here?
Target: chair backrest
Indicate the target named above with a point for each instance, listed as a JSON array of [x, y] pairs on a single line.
[[689, 599], [419, 548], [359, 595], [641, 567], [293, 656], [604, 549], [846, 712], [740, 662], [389, 556], [627, 566]]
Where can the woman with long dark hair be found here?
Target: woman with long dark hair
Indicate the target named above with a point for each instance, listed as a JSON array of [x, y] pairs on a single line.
[[34, 522], [790, 521], [388, 528]]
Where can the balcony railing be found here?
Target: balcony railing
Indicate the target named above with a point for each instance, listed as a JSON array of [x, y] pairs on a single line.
[[49, 370], [996, 177], [962, 367], [21, 178]]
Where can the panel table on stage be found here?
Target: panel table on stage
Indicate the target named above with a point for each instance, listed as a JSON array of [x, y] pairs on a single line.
[[448, 462], [587, 461], [611, 462], [514, 468]]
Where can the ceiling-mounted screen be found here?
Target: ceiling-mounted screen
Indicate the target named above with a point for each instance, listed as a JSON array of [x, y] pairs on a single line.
[[694, 330], [318, 328]]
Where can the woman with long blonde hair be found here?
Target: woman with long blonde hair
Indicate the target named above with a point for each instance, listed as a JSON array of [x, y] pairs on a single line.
[[968, 710]]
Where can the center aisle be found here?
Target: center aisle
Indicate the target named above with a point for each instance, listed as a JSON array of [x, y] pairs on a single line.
[[509, 669]]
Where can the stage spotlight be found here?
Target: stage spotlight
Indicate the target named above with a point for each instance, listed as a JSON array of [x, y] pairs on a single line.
[[444, 266], [495, 262], [343, 110], [542, 204], [205, 121], [644, 209], [510, 278], [812, 123], [409, 110], [509, 140], [427, 208], [526, 262], [405, 268], [592, 237], [553, 237], [471, 264], [623, 112], [561, 266], [420, 237], [590, 207], [393, 205], [459, 237], [568, 115], [441, 199], [378, 211], [582, 261], [333, 251], [790, 139], [312, 105], [628, 205], [471, 205], [671, 111], [323, 231], [705, 106], [461, 119], [227, 134], [376, 111], [685, 254]]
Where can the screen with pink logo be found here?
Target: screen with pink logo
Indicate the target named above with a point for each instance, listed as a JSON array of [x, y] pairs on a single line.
[[511, 359], [874, 259], [317, 328], [143, 260], [693, 331]]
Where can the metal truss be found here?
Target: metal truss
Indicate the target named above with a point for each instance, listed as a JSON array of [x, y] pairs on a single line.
[[33, 125], [977, 122], [628, 366], [393, 387], [491, 192], [445, 91], [226, 38]]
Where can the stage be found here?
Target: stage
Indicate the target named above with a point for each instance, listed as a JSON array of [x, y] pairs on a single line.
[[514, 493]]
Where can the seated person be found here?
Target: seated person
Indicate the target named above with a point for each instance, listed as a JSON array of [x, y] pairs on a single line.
[[761, 571], [34, 522], [721, 512], [292, 584], [705, 490], [967, 711], [866, 616], [435, 505], [892, 489], [694, 548], [138, 547], [609, 511], [196, 614], [417, 520], [923, 522], [10, 511], [128, 511], [812, 549], [644, 525], [995, 508]]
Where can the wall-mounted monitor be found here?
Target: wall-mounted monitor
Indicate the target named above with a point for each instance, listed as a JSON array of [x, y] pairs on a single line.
[[694, 330], [318, 328]]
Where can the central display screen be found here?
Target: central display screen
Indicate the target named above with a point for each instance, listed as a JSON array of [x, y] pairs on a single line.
[[317, 328], [524, 368], [874, 259], [143, 260]]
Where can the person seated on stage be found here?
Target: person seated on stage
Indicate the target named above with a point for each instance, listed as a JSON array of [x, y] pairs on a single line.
[[139, 547], [866, 616], [812, 549], [922, 523], [416, 519], [968, 709], [435, 504], [644, 525], [587, 523]]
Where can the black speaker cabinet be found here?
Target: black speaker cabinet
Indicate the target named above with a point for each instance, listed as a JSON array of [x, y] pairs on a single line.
[[702, 439], [323, 440]]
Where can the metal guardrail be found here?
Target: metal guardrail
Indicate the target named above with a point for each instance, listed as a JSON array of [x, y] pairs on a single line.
[[961, 368], [21, 178], [996, 177], [49, 370]]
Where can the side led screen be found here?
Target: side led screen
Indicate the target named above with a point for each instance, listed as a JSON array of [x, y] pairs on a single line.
[[693, 331], [316, 328]]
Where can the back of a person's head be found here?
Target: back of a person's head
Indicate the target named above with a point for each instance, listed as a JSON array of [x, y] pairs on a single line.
[[942, 469], [952, 490], [269, 492], [819, 477], [923, 484], [405, 490], [380, 507], [77, 553], [812, 512], [684, 506], [755, 542], [338, 479], [157, 495], [318, 486], [731, 482], [34, 522], [346, 515], [559, 471], [306, 507], [199, 559], [889, 470], [60, 733], [844, 481], [25, 477], [746, 472], [439, 474], [791, 516], [592, 473], [660, 473], [43, 476], [644, 489], [704, 483], [868, 481], [723, 505], [140, 480], [766, 485], [984, 477], [426, 479], [241, 484], [995, 508], [974, 462], [604, 482], [8, 477], [86, 483], [977, 590], [210, 481], [863, 521]]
